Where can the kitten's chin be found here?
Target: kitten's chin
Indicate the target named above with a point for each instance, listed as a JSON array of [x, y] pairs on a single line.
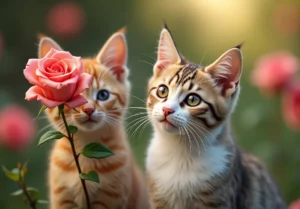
[[165, 126], [89, 126]]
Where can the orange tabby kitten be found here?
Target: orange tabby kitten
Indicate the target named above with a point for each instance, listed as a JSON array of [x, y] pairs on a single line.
[[100, 120]]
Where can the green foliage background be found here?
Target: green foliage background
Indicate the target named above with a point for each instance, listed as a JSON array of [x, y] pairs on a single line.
[[203, 29]]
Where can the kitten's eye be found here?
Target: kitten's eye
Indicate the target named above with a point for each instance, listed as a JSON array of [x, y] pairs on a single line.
[[102, 95], [192, 100], [162, 91]]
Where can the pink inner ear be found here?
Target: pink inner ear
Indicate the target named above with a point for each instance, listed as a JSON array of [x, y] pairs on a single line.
[[227, 72], [160, 67], [226, 84], [118, 71]]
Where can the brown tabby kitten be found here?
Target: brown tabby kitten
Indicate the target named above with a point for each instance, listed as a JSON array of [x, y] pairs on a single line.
[[193, 161], [100, 120]]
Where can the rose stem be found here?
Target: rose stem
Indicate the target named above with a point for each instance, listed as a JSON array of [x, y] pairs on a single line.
[[76, 159], [32, 202]]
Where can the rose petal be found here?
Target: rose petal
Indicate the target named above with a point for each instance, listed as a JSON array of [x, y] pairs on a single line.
[[79, 64], [44, 66], [84, 82], [36, 93], [76, 101], [63, 64], [30, 71], [59, 55], [58, 85], [72, 65]]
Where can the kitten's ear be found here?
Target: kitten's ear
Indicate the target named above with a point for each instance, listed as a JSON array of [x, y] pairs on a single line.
[[46, 44], [227, 70], [167, 53], [113, 54]]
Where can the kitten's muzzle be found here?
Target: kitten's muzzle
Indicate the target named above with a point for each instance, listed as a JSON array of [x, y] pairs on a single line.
[[168, 122]]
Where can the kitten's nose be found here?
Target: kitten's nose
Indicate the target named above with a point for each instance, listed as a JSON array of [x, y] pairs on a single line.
[[89, 110], [167, 111]]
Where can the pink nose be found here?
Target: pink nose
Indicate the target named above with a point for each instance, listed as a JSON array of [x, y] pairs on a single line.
[[167, 111], [89, 110]]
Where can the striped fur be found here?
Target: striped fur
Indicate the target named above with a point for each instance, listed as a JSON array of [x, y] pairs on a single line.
[[121, 181], [193, 161]]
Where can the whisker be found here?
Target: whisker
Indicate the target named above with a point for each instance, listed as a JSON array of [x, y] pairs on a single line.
[[203, 57], [137, 98], [137, 114], [44, 128], [136, 119], [143, 128], [134, 123], [154, 59], [141, 123], [146, 63], [196, 139]]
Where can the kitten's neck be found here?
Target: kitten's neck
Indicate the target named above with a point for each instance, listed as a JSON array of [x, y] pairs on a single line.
[[193, 144], [102, 135]]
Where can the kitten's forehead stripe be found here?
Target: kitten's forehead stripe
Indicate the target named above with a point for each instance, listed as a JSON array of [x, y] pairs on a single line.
[[185, 73], [176, 75]]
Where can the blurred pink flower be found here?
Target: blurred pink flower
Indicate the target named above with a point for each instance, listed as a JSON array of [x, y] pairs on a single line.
[[1, 44], [295, 205], [286, 18], [274, 71], [66, 19], [17, 127], [291, 107]]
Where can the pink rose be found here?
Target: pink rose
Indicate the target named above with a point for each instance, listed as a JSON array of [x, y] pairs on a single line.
[[58, 79], [274, 71], [66, 19], [17, 128], [291, 107], [295, 205]]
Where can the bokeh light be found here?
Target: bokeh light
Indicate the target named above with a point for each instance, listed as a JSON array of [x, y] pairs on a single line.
[[66, 19]]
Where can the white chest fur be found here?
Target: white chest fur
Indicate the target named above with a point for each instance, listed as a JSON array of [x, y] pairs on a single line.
[[177, 174]]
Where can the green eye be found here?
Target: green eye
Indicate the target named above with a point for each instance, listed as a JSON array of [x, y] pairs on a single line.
[[193, 100], [162, 91]]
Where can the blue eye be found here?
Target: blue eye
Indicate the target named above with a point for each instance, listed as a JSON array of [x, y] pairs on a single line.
[[103, 95]]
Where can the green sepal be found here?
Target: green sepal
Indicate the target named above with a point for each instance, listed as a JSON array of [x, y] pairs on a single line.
[[40, 111]]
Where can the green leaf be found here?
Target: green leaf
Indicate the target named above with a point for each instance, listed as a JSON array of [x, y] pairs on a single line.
[[12, 175], [90, 176], [50, 135], [40, 111], [60, 109], [17, 193], [34, 192], [42, 201], [96, 150], [72, 129]]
